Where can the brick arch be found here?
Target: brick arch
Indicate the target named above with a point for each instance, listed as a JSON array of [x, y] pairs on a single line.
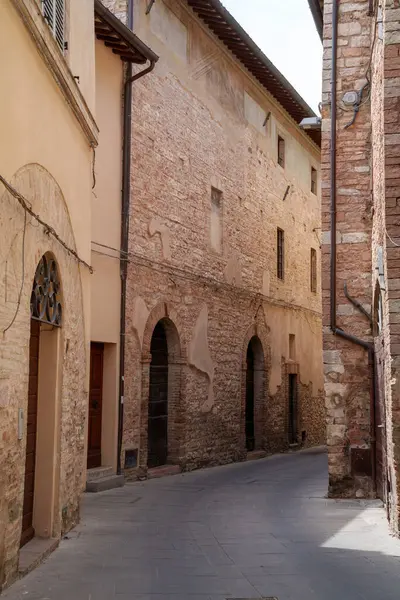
[[256, 336], [168, 317], [175, 330]]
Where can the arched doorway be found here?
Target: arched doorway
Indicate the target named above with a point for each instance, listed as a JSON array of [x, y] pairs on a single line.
[[157, 450], [254, 402], [250, 398], [41, 415]]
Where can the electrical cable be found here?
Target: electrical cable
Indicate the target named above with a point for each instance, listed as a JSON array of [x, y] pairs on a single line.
[[48, 229], [22, 277]]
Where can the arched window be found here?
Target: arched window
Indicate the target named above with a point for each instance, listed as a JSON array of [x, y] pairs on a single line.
[[46, 292]]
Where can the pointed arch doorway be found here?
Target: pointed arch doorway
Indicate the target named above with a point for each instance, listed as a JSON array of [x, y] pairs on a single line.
[[158, 399], [42, 407], [254, 394], [162, 436]]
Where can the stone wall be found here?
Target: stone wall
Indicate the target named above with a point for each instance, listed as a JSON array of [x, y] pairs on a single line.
[[39, 188], [347, 373], [389, 63], [194, 129]]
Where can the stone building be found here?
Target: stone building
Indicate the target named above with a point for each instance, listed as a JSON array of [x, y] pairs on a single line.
[[360, 253], [49, 217], [223, 332]]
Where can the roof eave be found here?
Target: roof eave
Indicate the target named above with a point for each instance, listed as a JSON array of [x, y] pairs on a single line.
[[316, 7], [120, 38], [224, 26]]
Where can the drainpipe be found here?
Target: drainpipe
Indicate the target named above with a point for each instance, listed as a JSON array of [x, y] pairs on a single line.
[[333, 303], [126, 198]]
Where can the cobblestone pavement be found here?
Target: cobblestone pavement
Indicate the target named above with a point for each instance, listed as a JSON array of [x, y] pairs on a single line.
[[248, 530]]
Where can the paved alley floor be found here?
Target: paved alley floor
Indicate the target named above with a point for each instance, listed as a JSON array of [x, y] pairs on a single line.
[[249, 530]]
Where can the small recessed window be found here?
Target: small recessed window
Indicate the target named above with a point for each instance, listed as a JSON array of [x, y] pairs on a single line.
[[216, 220], [281, 151], [280, 243], [313, 270], [292, 346], [313, 180]]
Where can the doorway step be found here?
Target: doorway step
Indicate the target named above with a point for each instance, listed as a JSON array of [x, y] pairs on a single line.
[[256, 454], [101, 479], [163, 471], [34, 553]]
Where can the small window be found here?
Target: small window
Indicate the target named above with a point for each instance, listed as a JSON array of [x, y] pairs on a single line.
[[292, 346], [313, 180], [54, 14], [216, 220], [281, 152], [313, 273], [280, 254]]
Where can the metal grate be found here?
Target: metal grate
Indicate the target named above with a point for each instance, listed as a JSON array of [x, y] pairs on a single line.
[[54, 14]]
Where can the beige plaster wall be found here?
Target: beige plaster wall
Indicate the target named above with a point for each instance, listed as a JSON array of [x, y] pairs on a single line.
[[106, 199], [81, 52], [47, 158], [106, 230]]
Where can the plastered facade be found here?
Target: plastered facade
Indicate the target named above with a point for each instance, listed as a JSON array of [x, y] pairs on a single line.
[[197, 125], [46, 155]]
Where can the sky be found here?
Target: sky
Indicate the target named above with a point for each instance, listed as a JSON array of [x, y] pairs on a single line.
[[285, 32]]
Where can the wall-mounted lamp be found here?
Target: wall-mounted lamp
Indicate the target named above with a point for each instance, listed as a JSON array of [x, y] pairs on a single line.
[[311, 123]]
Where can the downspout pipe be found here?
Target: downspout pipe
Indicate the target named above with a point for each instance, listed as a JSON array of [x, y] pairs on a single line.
[[126, 201], [333, 279]]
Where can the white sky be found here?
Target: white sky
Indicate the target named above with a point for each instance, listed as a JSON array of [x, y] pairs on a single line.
[[285, 32]]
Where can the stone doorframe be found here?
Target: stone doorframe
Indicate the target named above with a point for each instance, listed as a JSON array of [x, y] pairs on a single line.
[[173, 331], [47, 470], [257, 335]]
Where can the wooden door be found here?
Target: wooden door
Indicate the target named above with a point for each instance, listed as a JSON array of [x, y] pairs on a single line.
[[250, 399], [95, 405], [157, 451], [30, 461]]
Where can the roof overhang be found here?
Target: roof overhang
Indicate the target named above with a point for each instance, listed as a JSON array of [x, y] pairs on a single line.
[[317, 11], [228, 30], [119, 38]]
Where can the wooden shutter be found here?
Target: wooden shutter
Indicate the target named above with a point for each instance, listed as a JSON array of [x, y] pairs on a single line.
[[54, 13]]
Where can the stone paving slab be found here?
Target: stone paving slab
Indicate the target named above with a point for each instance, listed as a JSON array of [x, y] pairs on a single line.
[[245, 531]]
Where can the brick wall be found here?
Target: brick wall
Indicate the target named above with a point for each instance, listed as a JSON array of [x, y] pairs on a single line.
[[37, 185], [347, 374], [391, 350], [193, 131]]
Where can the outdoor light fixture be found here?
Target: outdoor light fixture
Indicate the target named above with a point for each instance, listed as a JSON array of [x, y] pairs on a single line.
[[311, 123]]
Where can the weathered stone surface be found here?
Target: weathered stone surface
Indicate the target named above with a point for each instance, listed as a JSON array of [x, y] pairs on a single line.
[[191, 133]]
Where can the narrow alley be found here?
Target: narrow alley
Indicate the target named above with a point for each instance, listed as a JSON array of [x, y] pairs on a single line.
[[247, 530]]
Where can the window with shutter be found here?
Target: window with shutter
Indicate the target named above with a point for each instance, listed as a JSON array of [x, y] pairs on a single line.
[[54, 13]]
